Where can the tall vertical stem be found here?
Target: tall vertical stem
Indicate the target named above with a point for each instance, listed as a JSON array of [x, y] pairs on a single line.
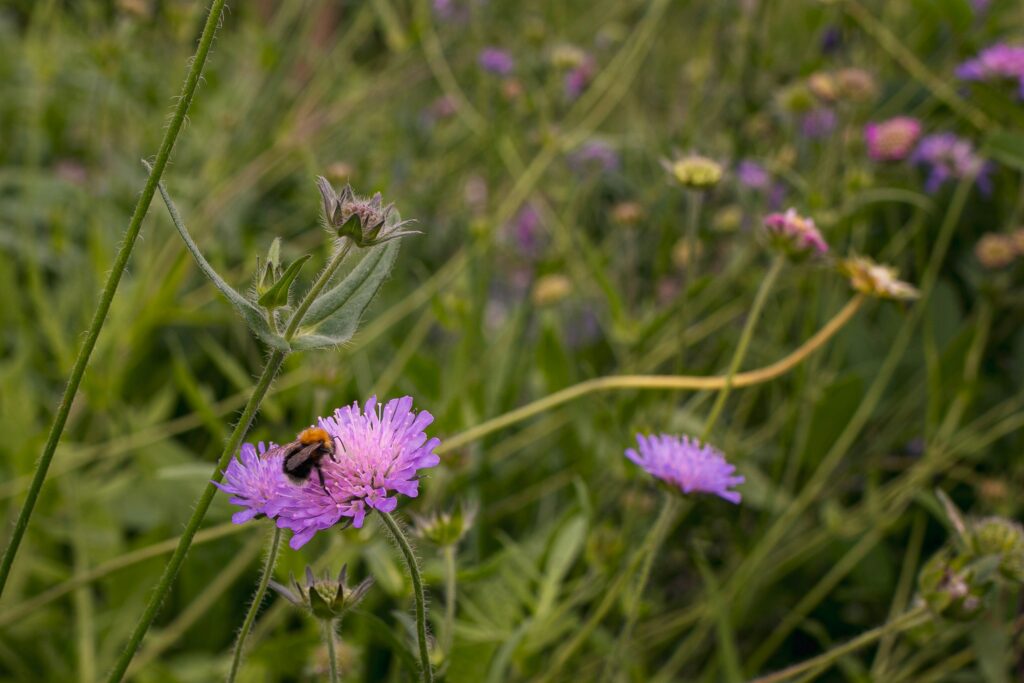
[[332, 655], [257, 600], [449, 599], [110, 288], [426, 671]]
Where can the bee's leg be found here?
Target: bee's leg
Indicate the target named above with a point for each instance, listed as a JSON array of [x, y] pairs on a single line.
[[323, 484]]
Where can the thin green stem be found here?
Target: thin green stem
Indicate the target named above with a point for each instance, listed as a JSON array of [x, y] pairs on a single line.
[[908, 620], [174, 564], [254, 607], [741, 350], [314, 291], [426, 671], [332, 656], [110, 288], [449, 599]]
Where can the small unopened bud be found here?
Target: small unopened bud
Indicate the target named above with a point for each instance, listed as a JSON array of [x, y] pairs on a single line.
[[1005, 539], [795, 235], [447, 528], [823, 86], [366, 221], [856, 85], [550, 289], [628, 213], [695, 171], [325, 598], [995, 250]]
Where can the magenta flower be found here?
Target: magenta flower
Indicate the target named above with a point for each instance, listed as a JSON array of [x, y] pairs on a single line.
[[818, 123], [578, 78], [795, 234], [948, 157], [892, 140], [256, 481], [378, 453], [687, 464], [995, 63], [595, 154], [496, 61]]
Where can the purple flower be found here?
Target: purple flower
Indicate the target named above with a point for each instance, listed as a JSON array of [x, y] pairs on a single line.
[[998, 62], [496, 61], [948, 157], [687, 464], [892, 140], [578, 78], [795, 234], [818, 123], [256, 482], [753, 175], [527, 232], [378, 452], [595, 154]]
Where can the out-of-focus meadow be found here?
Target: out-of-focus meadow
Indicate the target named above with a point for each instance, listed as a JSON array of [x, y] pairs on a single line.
[[526, 139]]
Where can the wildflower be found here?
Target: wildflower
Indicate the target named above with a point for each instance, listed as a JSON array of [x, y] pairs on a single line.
[[948, 157], [496, 61], [728, 219], [892, 140], [568, 56], [753, 175], [527, 232], [256, 481], [823, 85], [998, 62], [366, 221], [683, 253], [694, 171], [578, 78], [378, 452], [327, 599], [447, 528], [873, 279], [550, 289], [686, 463], [628, 213], [595, 154], [818, 123], [856, 85], [795, 234], [995, 250]]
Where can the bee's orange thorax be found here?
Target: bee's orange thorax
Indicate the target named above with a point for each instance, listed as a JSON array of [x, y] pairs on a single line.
[[314, 434]]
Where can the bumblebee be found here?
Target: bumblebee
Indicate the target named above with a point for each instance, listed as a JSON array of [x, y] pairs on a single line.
[[306, 454]]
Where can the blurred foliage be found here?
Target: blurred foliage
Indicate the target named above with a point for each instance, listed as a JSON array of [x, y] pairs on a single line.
[[388, 95]]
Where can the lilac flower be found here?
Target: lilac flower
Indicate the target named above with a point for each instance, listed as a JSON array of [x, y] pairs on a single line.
[[595, 154], [378, 452], [818, 123], [578, 78], [753, 175], [795, 234], [892, 140], [256, 482], [1000, 61], [496, 61], [527, 232], [687, 464], [948, 157]]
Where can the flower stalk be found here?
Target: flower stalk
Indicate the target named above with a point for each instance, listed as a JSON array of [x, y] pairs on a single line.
[[426, 670], [257, 600]]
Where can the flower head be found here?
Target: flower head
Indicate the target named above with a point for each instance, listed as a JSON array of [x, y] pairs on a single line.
[[447, 528], [996, 250], [818, 123], [948, 157], [994, 63], [325, 598], [795, 234], [496, 61], [892, 140], [595, 154], [366, 221], [378, 453], [694, 171], [686, 463], [753, 175], [578, 78], [873, 279], [256, 481]]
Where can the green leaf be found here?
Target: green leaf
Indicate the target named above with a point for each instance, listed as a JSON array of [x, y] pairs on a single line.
[[253, 316], [334, 316], [277, 295], [1006, 146], [565, 548]]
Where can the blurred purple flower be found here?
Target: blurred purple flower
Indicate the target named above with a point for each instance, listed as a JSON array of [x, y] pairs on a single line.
[[892, 140], [256, 481], [753, 175], [818, 123], [948, 157], [595, 154], [578, 78], [685, 463], [527, 232], [795, 234], [496, 61], [980, 6], [831, 40], [998, 62]]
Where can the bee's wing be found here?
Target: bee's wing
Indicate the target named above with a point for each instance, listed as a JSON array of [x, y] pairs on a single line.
[[296, 459]]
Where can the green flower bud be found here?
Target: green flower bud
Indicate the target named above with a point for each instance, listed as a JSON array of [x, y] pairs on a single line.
[[447, 528], [326, 599], [695, 171]]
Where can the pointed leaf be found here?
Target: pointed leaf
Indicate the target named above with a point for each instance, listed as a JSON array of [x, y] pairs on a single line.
[[334, 316], [278, 294], [252, 315]]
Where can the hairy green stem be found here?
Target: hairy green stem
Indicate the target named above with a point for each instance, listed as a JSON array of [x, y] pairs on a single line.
[[110, 288], [332, 656], [314, 291], [426, 671], [257, 600], [741, 350], [449, 599]]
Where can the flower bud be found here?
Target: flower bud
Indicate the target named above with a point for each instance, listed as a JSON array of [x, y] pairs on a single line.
[[1005, 539], [550, 289], [366, 221], [695, 171], [876, 280], [795, 235], [995, 250], [447, 528], [326, 599]]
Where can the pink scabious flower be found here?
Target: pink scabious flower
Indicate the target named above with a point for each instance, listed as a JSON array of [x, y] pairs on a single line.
[[892, 140], [378, 453], [256, 481], [686, 463], [795, 234], [995, 63]]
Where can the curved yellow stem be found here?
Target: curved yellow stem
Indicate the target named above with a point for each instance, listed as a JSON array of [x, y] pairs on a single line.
[[677, 382]]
